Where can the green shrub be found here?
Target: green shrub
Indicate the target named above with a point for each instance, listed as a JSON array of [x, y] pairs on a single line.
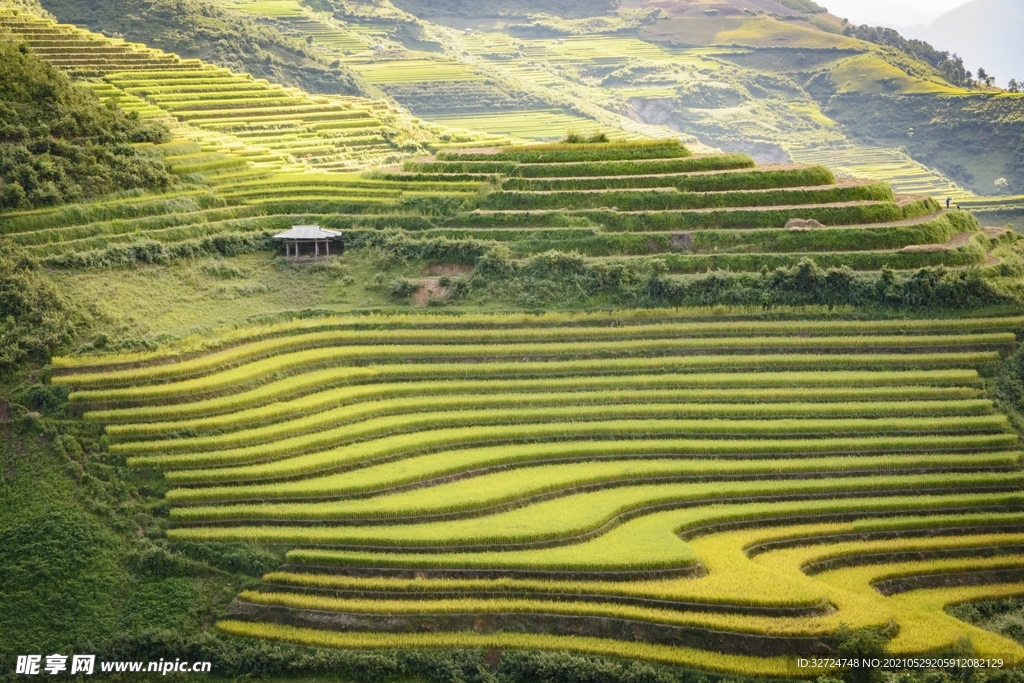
[[35, 316], [537, 154], [807, 283], [711, 182], [155, 252], [401, 288], [675, 200], [59, 144], [655, 221], [938, 231], [630, 167]]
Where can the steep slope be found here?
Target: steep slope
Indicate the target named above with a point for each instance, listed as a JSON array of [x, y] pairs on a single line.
[[200, 29], [59, 144], [724, 495]]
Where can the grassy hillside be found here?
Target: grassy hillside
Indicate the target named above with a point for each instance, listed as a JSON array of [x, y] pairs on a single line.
[[491, 9], [689, 70], [202, 30], [616, 407], [235, 487], [59, 144]]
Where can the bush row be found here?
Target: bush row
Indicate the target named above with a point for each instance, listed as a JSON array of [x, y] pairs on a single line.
[[937, 231], [709, 182], [81, 214], [655, 221], [663, 200], [585, 168], [613, 152], [972, 253], [155, 252]]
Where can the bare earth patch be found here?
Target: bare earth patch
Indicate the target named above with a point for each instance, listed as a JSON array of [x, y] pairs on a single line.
[[957, 241], [430, 288], [445, 269], [995, 233]]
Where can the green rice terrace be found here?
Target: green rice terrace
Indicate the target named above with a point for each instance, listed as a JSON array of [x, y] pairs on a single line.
[[614, 203], [648, 347], [721, 494]]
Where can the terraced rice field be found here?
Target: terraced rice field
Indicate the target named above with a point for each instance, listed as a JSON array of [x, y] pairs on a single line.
[[888, 165], [414, 71], [624, 200], [528, 124], [616, 202], [247, 119], [719, 493]]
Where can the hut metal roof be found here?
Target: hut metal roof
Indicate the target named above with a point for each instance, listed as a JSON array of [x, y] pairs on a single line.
[[307, 232]]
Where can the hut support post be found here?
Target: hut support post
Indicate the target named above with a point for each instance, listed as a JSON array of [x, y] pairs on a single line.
[[316, 247], [327, 246]]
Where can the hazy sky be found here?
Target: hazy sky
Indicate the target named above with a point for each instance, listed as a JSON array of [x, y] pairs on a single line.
[[890, 12]]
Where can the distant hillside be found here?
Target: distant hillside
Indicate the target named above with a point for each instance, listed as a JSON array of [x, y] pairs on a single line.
[[59, 144], [499, 8], [985, 33], [193, 28]]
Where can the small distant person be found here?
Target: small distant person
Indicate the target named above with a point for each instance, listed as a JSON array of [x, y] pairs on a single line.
[[948, 200]]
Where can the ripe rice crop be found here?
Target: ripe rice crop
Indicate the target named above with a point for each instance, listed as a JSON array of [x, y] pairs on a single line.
[[442, 462], [362, 346], [717, 181], [576, 391], [393, 437], [357, 346], [643, 543], [325, 344], [631, 404], [955, 381], [568, 517], [684, 592], [649, 321], [667, 469], [489, 490], [771, 363]]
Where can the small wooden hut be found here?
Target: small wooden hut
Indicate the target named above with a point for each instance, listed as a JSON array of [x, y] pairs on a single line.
[[310, 235]]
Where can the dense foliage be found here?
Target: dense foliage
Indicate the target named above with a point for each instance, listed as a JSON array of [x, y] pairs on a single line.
[[34, 315], [808, 6], [950, 66], [193, 28], [1005, 617], [59, 144]]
